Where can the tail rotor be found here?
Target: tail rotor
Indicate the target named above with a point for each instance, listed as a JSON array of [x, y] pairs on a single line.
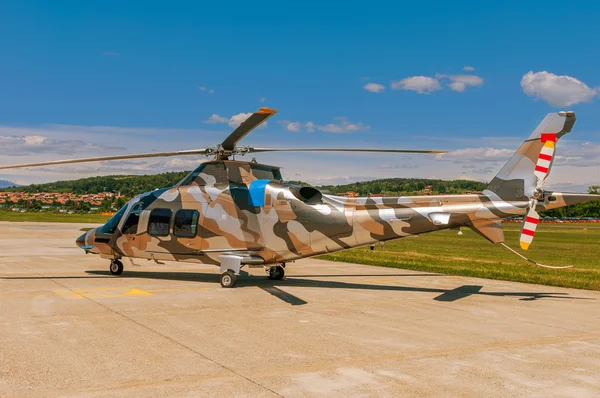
[[542, 169]]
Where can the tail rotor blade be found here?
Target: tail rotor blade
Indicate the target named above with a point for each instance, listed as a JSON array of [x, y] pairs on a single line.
[[529, 226], [544, 162]]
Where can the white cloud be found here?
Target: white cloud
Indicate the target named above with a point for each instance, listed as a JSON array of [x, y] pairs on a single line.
[[121, 167], [37, 144], [236, 120], [374, 87], [461, 82], [208, 90], [427, 85], [331, 128], [342, 126], [468, 68], [478, 154], [556, 90], [216, 119], [233, 122], [398, 166], [294, 127], [420, 84], [578, 154]]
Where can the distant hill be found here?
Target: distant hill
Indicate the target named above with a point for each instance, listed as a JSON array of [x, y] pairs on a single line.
[[408, 186], [131, 185], [6, 184], [127, 185]]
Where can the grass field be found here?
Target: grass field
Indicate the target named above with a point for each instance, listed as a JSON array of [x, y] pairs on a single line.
[[53, 217], [471, 255]]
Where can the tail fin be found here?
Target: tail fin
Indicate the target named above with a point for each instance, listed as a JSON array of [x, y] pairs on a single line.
[[517, 179]]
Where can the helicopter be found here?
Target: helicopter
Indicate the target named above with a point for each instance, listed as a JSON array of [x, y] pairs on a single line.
[[236, 214]]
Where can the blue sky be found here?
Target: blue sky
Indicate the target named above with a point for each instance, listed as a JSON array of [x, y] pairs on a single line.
[[117, 77]]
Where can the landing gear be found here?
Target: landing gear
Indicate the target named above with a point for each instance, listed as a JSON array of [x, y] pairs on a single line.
[[116, 267], [228, 279], [276, 273]]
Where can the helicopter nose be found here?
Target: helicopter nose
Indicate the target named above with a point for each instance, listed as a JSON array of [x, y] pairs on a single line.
[[81, 240]]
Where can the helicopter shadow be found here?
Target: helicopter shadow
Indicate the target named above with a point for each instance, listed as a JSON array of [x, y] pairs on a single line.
[[274, 287]]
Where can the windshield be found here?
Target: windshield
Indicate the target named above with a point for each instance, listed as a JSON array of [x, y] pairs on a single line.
[[111, 225], [131, 224]]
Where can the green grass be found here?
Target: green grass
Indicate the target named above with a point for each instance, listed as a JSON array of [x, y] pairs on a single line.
[[53, 217], [470, 255]]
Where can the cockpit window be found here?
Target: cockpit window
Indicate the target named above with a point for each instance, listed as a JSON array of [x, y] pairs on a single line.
[[111, 225], [216, 174], [190, 178], [130, 226], [142, 203]]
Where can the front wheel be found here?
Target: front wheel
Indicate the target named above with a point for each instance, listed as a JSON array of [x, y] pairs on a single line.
[[228, 279], [116, 267], [276, 273]]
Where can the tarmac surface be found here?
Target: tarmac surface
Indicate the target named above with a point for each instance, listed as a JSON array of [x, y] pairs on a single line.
[[69, 328]]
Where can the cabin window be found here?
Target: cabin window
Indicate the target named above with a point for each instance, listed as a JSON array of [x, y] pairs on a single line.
[[159, 222], [186, 223]]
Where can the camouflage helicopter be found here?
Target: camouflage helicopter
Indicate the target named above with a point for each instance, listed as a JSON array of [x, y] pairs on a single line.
[[234, 213]]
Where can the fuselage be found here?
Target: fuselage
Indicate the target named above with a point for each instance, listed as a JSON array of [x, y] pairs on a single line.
[[209, 215]]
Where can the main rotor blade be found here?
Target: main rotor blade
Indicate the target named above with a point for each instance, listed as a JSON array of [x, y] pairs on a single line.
[[343, 150], [205, 151], [247, 126]]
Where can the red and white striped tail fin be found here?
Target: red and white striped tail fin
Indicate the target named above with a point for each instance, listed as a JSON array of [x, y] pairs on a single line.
[[528, 231], [544, 162]]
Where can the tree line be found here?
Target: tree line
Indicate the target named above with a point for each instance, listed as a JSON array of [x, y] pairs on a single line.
[[126, 185], [130, 185]]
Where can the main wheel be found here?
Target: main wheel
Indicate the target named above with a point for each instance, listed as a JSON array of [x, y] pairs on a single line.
[[276, 273], [116, 267], [228, 279]]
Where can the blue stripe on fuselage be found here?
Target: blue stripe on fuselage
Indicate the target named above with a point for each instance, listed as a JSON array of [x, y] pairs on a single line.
[[256, 190]]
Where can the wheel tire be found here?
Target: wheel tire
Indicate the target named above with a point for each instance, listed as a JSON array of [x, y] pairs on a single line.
[[228, 279], [276, 273], [116, 267]]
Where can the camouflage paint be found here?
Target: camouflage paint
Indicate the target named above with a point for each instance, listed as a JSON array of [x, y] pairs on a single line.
[[242, 213]]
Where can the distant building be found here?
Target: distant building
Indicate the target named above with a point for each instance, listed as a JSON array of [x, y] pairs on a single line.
[[61, 198]]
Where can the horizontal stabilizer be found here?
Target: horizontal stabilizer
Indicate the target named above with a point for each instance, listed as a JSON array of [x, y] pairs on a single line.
[[489, 229]]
